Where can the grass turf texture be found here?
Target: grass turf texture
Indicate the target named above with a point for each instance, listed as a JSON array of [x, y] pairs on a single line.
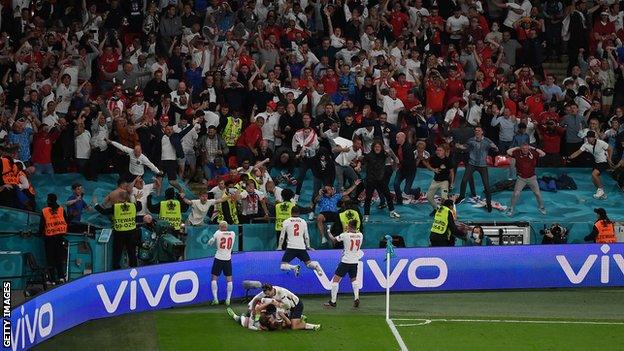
[[209, 328]]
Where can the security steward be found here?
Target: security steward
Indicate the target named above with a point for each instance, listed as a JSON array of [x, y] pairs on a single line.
[[170, 209], [53, 226], [603, 231], [10, 181], [126, 236], [444, 230], [348, 212], [282, 212]]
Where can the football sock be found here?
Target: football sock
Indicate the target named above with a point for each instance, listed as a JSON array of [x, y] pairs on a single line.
[[287, 267], [356, 290], [334, 291], [213, 285], [309, 326], [230, 287]]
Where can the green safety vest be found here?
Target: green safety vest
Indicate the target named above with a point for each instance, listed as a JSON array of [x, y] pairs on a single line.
[[171, 212], [440, 221], [346, 216], [232, 131], [282, 213], [124, 217]]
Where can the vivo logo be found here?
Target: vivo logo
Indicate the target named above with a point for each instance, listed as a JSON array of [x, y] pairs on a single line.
[[416, 282], [153, 295], [32, 327], [579, 277]]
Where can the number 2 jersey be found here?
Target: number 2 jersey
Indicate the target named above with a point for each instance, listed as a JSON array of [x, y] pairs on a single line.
[[224, 241], [296, 230], [352, 243]]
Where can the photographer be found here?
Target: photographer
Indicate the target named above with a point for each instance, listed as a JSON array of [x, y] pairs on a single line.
[[556, 234]]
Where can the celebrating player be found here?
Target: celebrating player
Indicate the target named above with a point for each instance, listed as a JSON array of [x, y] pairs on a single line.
[[352, 240], [298, 242], [224, 240], [286, 300]]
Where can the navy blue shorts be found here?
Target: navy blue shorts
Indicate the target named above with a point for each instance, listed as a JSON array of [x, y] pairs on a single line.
[[347, 268], [297, 311], [291, 254], [220, 266]]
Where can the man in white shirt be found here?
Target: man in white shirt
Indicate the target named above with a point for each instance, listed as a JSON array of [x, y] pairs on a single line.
[[347, 160], [224, 241], [456, 24], [188, 146], [200, 207], [392, 106], [351, 254], [517, 10], [287, 300], [140, 191], [137, 160], [139, 107], [180, 98], [295, 230], [271, 123], [602, 160]]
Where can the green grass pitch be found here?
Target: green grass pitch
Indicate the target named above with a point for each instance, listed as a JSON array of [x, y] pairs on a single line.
[[579, 319]]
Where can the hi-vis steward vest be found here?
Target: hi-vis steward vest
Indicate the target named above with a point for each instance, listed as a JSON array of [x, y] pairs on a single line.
[[171, 212], [9, 172], [124, 217], [606, 232], [231, 205], [440, 221], [232, 131], [347, 216], [282, 213], [54, 221], [31, 189]]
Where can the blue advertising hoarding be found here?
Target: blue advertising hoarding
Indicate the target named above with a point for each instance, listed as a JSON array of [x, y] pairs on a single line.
[[412, 270]]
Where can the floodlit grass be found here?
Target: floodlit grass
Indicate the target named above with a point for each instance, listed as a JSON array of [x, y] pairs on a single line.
[[209, 328]]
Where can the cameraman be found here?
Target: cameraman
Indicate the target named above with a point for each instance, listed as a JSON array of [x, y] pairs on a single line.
[[556, 234]]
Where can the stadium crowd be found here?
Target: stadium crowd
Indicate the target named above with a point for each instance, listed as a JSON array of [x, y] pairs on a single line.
[[254, 94]]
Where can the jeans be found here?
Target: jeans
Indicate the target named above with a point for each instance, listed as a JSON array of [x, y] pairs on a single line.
[[306, 164], [408, 177], [44, 168], [342, 172], [382, 190], [520, 184], [470, 169]]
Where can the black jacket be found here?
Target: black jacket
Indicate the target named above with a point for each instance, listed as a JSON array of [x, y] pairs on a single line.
[[375, 166], [408, 163]]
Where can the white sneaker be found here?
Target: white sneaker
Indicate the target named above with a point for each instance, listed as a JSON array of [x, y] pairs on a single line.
[[323, 240], [394, 214], [366, 218], [542, 210], [310, 216], [296, 198], [599, 194]]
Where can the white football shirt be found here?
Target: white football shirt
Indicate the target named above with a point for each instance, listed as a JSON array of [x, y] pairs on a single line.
[[224, 241], [296, 230], [352, 247]]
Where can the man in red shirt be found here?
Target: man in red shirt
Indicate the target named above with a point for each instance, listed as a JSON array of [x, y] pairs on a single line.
[[398, 20], [549, 113], [526, 160], [330, 81], [402, 86], [551, 135], [435, 92], [247, 144], [43, 141], [454, 85], [535, 103]]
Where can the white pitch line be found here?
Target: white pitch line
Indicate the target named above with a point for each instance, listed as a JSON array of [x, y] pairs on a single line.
[[428, 321], [396, 334]]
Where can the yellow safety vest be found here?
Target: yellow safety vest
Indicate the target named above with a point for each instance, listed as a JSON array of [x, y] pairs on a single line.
[[124, 217], [232, 131], [440, 221], [348, 215], [282, 213], [171, 212], [233, 212]]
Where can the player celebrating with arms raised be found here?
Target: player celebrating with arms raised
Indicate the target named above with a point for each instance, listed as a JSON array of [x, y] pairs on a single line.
[[352, 240], [298, 241], [224, 240]]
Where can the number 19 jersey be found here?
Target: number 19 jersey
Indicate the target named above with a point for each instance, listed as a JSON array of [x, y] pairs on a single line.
[[296, 230]]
